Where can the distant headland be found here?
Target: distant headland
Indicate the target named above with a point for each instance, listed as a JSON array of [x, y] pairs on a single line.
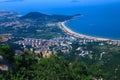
[[35, 20]]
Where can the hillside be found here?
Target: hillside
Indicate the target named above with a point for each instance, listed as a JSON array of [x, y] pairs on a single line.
[[33, 22]]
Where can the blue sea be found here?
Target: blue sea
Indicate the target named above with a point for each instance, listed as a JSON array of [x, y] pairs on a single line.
[[100, 18]]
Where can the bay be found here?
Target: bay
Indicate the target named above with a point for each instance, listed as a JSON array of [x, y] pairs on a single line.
[[100, 18]]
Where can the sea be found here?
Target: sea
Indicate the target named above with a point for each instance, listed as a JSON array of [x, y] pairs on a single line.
[[99, 18]]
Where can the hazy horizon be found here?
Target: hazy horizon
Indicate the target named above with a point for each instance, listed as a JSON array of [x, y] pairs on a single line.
[[22, 6]]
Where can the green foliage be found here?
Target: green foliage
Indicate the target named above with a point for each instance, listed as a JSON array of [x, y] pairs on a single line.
[[80, 71], [0, 38], [52, 68], [65, 66], [2, 77], [6, 52]]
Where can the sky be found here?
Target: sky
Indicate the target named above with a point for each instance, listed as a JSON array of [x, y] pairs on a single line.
[[67, 1], [48, 5]]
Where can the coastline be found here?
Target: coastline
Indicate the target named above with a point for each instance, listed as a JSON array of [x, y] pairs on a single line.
[[75, 34]]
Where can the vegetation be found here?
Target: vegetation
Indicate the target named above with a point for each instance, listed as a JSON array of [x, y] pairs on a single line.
[[0, 38], [7, 53], [63, 66], [52, 68], [102, 63], [107, 66], [43, 26]]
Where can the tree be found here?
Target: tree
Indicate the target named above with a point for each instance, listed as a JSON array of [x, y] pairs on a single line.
[[7, 53], [0, 38]]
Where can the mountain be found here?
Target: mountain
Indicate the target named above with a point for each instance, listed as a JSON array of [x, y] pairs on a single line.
[[34, 15], [33, 22], [40, 16]]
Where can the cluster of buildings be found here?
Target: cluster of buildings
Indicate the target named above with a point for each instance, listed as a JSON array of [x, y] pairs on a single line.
[[38, 46], [114, 42], [47, 47]]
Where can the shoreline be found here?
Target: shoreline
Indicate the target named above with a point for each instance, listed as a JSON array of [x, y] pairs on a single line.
[[75, 34]]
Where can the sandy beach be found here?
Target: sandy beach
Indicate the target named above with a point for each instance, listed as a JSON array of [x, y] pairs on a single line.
[[75, 34]]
